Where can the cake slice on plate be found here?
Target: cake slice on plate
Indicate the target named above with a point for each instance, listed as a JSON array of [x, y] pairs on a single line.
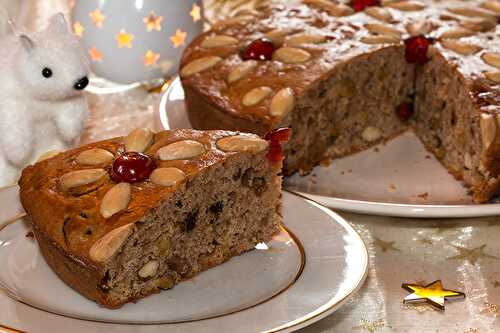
[[120, 219]]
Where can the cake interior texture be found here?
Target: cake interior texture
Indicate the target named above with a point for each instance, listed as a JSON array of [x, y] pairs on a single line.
[[222, 212]]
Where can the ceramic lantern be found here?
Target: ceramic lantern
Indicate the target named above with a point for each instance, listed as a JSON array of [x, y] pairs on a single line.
[[136, 40]]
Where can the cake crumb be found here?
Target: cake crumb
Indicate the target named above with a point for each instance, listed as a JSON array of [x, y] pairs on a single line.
[[392, 188], [30, 234], [349, 171], [423, 195], [376, 149], [428, 157], [326, 162]]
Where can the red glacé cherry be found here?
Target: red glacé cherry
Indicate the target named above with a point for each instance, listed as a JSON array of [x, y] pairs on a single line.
[[259, 49], [276, 138], [359, 5], [404, 111], [131, 167], [416, 49]]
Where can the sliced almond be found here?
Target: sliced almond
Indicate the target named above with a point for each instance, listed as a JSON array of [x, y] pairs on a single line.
[[277, 36], [107, 246], [239, 143], [291, 55], [383, 29], [471, 12], [379, 13], [232, 21], [479, 24], [488, 129], [149, 269], [407, 6], [256, 95], [115, 200], [492, 5], [419, 28], [76, 179], [371, 134], [47, 155], [299, 39], [139, 140], [94, 156], [282, 103], [381, 39], [493, 76], [241, 70], [456, 32], [460, 47], [200, 65], [181, 150], [331, 8], [167, 176], [492, 59], [218, 41]]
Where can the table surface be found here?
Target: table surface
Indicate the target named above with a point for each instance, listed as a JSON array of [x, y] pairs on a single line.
[[463, 253]]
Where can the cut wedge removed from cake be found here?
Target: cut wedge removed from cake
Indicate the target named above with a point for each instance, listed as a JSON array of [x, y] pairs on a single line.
[[121, 219]]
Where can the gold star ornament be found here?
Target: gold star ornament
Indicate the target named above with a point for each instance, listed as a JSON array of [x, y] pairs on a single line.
[[97, 18], [195, 13], [179, 38], [433, 294], [152, 22], [124, 39]]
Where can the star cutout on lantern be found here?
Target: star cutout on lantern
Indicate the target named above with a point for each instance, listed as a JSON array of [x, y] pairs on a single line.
[[179, 38], [95, 54], [195, 13], [150, 58], [433, 293], [97, 17], [124, 39], [152, 21], [471, 256], [385, 246], [78, 29]]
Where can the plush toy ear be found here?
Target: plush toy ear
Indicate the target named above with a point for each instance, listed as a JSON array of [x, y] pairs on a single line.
[[27, 43], [58, 23]]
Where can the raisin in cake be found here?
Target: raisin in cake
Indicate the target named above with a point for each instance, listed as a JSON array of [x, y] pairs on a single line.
[[345, 76], [120, 219]]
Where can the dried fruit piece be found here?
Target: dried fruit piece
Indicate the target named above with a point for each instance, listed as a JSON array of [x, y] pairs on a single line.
[[107, 246], [167, 176], [139, 140], [75, 179], [239, 143], [488, 129], [456, 32], [359, 5], [382, 39], [407, 6], [218, 41], [404, 111], [379, 13], [115, 200], [304, 38], [276, 138], [291, 55], [382, 29], [492, 59], [256, 95], [132, 167], [199, 65], [241, 70], [260, 49], [371, 134], [94, 156], [181, 150], [459, 47], [493, 76], [282, 103], [416, 49], [149, 269]]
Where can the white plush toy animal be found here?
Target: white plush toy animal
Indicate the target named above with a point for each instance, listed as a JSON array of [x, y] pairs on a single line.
[[42, 105]]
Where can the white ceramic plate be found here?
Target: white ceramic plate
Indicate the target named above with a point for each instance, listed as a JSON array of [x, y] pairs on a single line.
[[399, 178], [305, 273]]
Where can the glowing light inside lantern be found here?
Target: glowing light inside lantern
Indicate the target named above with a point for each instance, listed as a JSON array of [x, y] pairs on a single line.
[[153, 21], [124, 39], [179, 38], [97, 18], [195, 13], [78, 29], [150, 58], [95, 54]]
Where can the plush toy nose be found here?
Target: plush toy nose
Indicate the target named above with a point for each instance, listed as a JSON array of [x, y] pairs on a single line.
[[81, 83]]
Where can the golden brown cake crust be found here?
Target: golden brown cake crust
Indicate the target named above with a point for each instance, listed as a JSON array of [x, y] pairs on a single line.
[[68, 225]]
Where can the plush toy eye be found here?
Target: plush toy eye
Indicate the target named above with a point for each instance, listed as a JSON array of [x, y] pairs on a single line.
[[46, 72]]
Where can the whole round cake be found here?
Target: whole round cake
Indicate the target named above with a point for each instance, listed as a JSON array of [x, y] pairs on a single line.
[[346, 76]]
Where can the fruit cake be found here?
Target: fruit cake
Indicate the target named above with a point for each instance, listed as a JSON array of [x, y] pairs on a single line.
[[348, 75], [120, 219]]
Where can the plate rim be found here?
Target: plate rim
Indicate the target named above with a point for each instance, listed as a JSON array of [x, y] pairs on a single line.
[[362, 206], [317, 314]]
